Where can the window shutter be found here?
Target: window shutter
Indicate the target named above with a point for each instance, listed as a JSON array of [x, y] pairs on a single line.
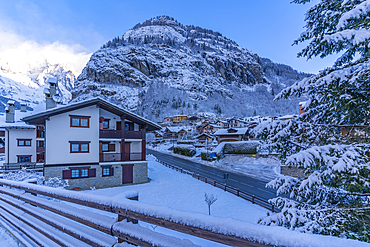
[[112, 147], [92, 172], [67, 174], [112, 171]]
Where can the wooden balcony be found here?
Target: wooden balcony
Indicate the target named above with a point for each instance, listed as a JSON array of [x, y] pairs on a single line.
[[133, 134], [104, 133], [110, 134], [40, 149]]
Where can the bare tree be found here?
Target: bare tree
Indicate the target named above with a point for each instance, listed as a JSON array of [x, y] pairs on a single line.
[[209, 199]]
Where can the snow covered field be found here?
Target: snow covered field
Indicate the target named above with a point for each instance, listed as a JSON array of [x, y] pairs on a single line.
[[172, 189], [265, 169]]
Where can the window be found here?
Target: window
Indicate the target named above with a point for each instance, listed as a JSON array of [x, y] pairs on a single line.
[[108, 147], [75, 173], [106, 124], [107, 171], [79, 147], [105, 147], [84, 173], [24, 142], [80, 121], [136, 127], [24, 158], [79, 172]]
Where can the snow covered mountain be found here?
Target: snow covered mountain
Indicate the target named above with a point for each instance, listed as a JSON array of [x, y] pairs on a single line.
[[161, 67], [26, 84]]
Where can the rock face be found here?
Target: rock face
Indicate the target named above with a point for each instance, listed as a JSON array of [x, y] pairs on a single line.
[[161, 67]]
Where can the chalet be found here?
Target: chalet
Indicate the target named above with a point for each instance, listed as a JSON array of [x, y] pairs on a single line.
[[92, 143], [204, 137], [193, 119], [233, 123], [180, 118], [168, 119], [174, 133], [223, 124], [231, 134]]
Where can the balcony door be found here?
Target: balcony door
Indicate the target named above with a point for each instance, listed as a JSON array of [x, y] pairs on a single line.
[[127, 150], [127, 174]]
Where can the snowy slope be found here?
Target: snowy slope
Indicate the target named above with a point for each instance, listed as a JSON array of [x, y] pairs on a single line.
[[162, 67]]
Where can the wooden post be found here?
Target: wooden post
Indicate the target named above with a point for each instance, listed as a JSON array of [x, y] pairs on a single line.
[[128, 219]]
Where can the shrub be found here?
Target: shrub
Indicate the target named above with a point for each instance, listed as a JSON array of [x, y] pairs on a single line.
[[186, 150]]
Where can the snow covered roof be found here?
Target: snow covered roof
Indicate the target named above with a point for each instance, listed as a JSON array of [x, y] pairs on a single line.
[[231, 131], [18, 124], [39, 118], [175, 129], [11, 102]]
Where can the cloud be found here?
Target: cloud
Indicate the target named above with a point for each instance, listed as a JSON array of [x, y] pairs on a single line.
[[19, 54]]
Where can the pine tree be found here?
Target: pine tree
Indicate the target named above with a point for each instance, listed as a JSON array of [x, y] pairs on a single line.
[[329, 141]]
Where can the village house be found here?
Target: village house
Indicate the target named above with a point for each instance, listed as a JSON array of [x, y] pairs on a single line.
[[180, 118], [231, 134], [168, 119], [174, 133], [19, 139], [93, 143]]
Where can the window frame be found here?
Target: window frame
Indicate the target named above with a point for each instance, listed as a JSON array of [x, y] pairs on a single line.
[[24, 142], [79, 121], [79, 143], [78, 172], [110, 171], [24, 156]]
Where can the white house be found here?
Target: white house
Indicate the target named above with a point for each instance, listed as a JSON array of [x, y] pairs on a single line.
[[20, 138], [93, 143]]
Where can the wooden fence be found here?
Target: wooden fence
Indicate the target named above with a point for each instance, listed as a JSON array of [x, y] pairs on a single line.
[[59, 219], [230, 189], [14, 167]]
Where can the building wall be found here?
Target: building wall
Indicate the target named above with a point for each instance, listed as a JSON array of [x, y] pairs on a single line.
[[113, 119], [14, 149], [58, 134], [140, 175]]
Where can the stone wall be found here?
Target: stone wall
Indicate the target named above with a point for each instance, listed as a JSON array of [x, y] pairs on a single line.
[[140, 175]]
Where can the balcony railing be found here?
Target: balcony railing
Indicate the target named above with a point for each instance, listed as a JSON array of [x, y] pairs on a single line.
[[111, 157], [40, 149], [133, 134], [106, 157], [110, 134], [118, 134], [135, 156]]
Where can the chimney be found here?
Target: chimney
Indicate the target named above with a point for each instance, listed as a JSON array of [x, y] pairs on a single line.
[[23, 107], [10, 112], [50, 92]]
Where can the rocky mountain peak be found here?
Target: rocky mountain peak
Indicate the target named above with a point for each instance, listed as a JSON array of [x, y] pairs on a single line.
[[161, 66]]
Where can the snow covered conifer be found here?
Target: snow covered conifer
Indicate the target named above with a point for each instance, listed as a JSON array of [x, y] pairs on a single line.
[[330, 141]]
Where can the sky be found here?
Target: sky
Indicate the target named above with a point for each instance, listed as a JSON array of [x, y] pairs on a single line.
[[77, 28]]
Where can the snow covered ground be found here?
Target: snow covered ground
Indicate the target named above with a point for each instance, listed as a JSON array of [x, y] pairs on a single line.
[[172, 189], [265, 169]]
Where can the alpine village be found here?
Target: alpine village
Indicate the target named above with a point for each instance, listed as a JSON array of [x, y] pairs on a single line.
[[174, 135]]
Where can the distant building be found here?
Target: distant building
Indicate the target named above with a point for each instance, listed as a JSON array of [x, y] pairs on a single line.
[[301, 108], [179, 118], [231, 134], [168, 119]]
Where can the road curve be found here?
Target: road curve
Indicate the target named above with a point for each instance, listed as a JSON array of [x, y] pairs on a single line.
[[244, 183]]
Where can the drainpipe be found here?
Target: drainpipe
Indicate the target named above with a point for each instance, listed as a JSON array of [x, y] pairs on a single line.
[[8, 144]]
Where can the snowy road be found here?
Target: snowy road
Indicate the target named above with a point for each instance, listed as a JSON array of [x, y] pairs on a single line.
[[247, 184]]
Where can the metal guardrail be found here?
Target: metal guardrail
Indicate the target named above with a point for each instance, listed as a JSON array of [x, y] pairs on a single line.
[[225, 187]]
